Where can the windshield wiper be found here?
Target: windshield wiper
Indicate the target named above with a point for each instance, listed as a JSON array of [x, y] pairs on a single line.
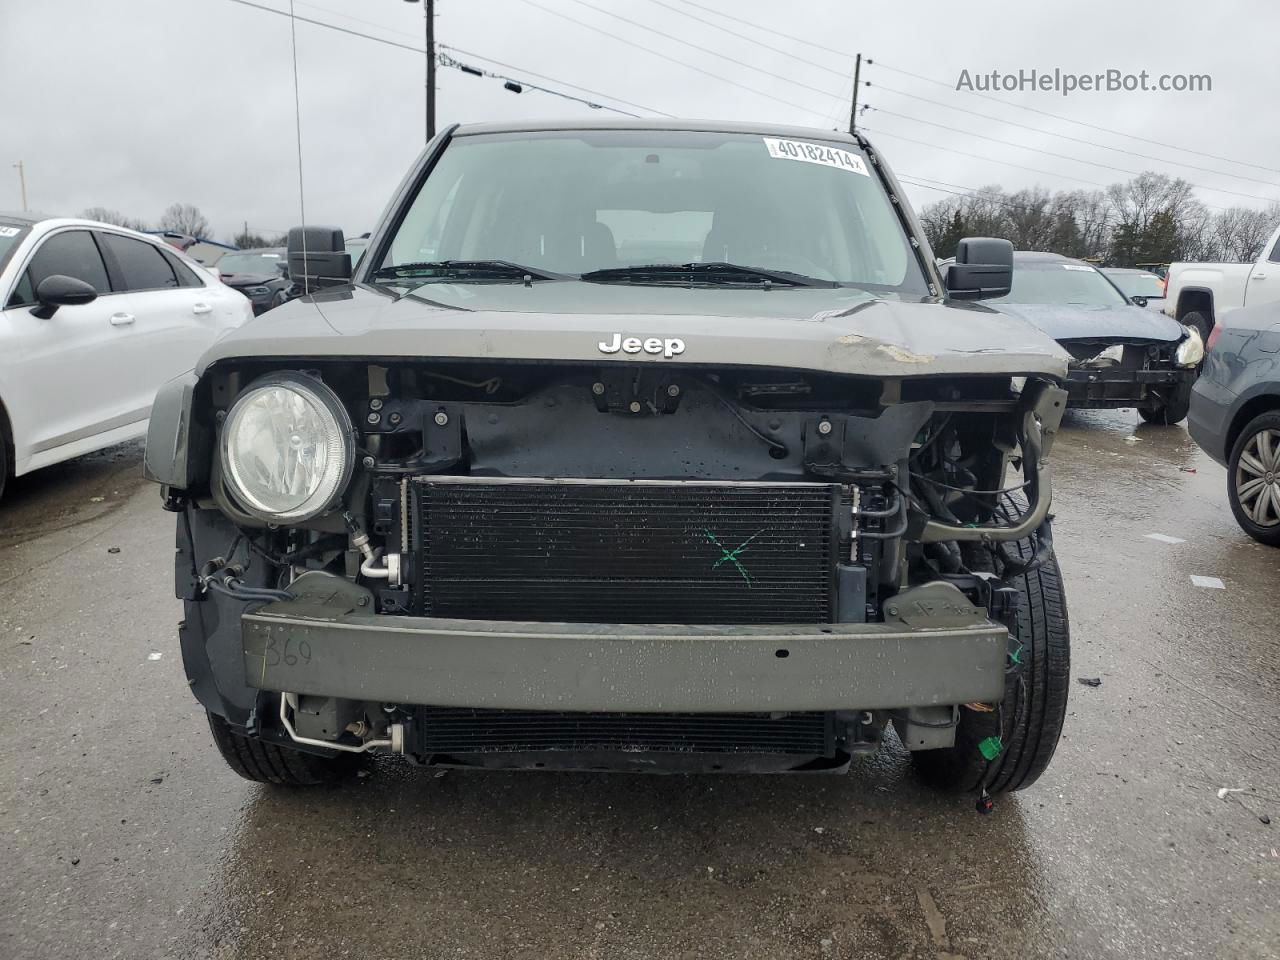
[[710, 274], [494, 270]]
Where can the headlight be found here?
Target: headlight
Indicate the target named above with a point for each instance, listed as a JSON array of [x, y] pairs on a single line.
[[1115, 353], [257, 291], [287, 448], [1191, 350]]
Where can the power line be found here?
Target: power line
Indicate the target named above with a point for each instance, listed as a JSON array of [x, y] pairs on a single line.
[[447, 61], [1006, 163], [748, 23], [707, 50], [564, 83], [975, 156], [328, 26], [663, 56], [842, 74], [965, 192], [1064, 136], [1058, 116], [1090, 163], [422, 50]]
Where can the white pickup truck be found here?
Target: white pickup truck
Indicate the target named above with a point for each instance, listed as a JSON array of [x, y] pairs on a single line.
[[1198, 294]]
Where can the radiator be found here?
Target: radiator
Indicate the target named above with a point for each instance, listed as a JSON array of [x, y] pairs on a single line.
[[458, 731], [624, 551]]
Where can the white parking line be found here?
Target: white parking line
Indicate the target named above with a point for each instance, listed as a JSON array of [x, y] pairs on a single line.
[[1212, 582]]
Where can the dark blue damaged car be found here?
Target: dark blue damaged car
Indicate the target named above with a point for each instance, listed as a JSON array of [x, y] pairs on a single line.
[[1122, 355]]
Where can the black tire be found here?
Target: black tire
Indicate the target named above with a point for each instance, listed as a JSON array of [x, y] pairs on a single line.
[[1170, 411], [1035, 701], [1263, 533], [1201, 321], [265, 762]]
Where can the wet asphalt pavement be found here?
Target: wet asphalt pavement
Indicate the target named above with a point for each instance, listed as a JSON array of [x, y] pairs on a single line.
[[125, 836]]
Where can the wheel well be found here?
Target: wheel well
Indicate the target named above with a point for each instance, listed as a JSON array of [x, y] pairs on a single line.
[[1256, 406], [1196, 300]]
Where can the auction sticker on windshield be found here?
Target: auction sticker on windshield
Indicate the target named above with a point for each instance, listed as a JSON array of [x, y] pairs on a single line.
[[815, 153]]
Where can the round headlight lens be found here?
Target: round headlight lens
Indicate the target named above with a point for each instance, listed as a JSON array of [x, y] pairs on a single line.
[[287, 448]]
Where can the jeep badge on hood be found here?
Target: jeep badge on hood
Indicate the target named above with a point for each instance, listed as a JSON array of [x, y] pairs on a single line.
[[669, 347]]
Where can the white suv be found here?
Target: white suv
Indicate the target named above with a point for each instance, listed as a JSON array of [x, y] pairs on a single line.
[[93, 319]]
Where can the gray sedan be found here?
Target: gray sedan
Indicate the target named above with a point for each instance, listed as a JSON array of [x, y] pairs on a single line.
[[1235, 415]]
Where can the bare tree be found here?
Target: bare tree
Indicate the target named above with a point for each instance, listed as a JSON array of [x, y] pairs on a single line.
[[1240, 232], [1152, 218], [184, 218], [249, 240], [1030, 219], [107, 215]]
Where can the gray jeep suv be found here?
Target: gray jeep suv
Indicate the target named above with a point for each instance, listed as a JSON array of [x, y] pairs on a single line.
[[628, 446]]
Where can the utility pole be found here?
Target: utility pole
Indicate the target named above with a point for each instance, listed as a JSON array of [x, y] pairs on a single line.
[[429, 8], [22, 180], [853, 109]]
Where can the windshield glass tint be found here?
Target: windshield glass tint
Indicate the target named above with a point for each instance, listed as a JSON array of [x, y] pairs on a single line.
[[1052, 281], [267, 264], [590, 200], [1138, 284]]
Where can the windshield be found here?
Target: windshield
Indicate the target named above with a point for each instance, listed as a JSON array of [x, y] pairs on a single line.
[[1055, 281], [266, 264], [1138, 284], [571, 203], [11, 235]]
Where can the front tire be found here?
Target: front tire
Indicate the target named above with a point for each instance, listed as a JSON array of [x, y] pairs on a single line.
[[1253, 478], [1201, 323], [1171, 410], [1028, 723], [265, 762]]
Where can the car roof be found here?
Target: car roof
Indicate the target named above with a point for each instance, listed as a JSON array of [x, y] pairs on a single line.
[[1042, 255], [1129, 270], [1037, 256], [702, 126], [275, 250]]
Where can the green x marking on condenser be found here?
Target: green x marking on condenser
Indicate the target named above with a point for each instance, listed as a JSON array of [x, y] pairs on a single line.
[[731, 556]]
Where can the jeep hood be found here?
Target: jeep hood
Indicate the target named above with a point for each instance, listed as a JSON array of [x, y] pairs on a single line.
[[1063, 321], [834, 330]]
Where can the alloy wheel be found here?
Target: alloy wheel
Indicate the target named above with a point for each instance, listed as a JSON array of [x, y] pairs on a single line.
[[1257, 478]]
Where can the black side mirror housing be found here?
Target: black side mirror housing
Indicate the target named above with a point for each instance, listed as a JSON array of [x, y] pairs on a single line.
[[58, 290], [318, 258], [1138, 300], [983, 269]]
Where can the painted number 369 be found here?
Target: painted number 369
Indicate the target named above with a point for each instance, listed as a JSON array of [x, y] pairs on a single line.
[[288, 651]]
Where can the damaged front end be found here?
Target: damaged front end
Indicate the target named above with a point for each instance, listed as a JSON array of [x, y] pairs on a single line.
[[1110, 372], [638, 566]]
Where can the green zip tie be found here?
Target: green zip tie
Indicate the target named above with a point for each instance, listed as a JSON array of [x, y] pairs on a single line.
[[990, 747]]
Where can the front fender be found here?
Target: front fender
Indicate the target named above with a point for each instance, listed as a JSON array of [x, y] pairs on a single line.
[[168, 458]]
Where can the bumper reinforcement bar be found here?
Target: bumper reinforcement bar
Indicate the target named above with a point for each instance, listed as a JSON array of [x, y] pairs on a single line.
[[325, 643]]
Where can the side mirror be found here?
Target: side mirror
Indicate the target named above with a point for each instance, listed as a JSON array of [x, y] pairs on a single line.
[[983, 269], [217, 274], [318, 258], [57, 290], [1139, 300]]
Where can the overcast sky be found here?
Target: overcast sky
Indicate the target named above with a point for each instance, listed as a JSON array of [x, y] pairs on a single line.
[[136, 104]]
